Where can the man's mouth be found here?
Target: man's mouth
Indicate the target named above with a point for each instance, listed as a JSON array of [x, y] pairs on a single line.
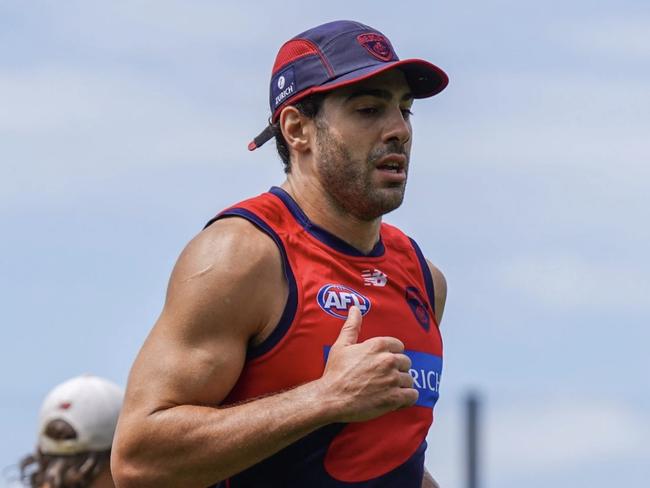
[[393, 163]]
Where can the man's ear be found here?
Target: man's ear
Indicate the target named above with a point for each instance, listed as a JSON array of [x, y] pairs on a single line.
[[296, 129]]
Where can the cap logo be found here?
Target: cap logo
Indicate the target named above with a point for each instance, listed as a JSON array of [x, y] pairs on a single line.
[[377, 45], [283, 87], [65, 405]]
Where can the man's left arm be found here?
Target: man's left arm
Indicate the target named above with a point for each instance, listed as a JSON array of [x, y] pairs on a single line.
[[428, 481], [440, 291]]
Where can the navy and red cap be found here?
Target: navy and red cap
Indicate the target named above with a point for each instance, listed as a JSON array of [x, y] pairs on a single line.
[[338, 54]]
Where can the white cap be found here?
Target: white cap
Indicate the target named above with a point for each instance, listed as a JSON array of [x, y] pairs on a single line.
[[90, 405]]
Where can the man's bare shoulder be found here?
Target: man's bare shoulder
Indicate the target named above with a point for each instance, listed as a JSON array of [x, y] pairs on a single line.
[[230, 245], [223, 268]]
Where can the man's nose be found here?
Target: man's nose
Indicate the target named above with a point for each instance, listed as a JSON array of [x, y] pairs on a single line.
[[397, 127]]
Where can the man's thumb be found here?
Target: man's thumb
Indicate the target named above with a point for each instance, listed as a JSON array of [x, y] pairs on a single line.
[[350, 330]]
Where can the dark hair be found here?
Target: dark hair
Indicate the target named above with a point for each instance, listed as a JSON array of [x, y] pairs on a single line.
[[59, 471], [309, 107]]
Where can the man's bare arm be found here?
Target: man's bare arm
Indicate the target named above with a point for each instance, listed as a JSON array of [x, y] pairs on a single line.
[[428, 481], [440, 290], [226, 289]]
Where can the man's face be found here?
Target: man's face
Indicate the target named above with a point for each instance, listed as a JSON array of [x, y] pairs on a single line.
[[363, 145]]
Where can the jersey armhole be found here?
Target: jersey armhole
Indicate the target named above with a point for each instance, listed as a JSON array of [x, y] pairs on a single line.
[[426, 274], [289, 312]]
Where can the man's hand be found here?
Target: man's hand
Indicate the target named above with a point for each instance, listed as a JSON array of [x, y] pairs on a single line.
[[365, 380]]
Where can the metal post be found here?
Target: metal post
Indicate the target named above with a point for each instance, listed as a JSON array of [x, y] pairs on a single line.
[[472, 406]]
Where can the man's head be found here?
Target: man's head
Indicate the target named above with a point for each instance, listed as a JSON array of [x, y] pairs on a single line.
[[76, 426], [340, 95]]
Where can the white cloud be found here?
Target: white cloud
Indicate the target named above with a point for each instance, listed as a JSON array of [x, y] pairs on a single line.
[[543, 119], [62, 127], [615, 36], [537, 435], [572, 282], [538, 438], [38, 102], [148, 27]]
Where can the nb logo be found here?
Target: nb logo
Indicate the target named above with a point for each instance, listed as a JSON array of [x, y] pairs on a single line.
[[374, 277], [336, 300]]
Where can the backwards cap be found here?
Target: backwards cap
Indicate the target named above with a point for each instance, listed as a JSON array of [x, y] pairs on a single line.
[[338, 54], [90, 405]]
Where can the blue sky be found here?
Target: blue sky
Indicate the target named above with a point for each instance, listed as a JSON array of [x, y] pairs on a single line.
[[123, 128]]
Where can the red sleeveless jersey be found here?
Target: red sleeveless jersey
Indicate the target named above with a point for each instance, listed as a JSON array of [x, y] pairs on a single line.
[[393, 288]]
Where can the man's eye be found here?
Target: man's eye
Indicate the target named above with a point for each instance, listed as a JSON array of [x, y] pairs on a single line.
[[406, 113], [368, 110]]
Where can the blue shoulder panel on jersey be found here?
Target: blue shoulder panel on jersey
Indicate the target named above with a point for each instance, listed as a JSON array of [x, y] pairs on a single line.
[[428, 280]]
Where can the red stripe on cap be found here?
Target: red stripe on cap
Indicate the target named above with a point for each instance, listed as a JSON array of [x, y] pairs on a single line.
[[292, 50], [296, 49]]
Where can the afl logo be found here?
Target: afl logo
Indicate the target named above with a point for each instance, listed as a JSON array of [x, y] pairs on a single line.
[[336, 300], [281, 82]]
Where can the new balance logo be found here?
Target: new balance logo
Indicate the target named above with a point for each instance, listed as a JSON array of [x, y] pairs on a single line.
[[374, 277]]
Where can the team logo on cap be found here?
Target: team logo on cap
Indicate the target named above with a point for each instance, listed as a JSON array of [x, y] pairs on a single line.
[[377, 45], [281, 82], [336, 300]]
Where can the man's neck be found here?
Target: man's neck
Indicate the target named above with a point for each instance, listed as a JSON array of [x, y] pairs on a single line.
[[315, 203]]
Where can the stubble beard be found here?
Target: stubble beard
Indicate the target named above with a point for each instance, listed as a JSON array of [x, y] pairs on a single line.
[[348, 182]]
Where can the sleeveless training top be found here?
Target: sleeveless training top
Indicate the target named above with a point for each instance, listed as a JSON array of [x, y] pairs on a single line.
[[393, 288]]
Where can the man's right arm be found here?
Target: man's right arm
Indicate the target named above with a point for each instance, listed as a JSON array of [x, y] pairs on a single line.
[[226, 289]]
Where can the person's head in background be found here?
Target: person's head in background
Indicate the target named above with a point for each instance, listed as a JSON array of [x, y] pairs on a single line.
[[76, 426]]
